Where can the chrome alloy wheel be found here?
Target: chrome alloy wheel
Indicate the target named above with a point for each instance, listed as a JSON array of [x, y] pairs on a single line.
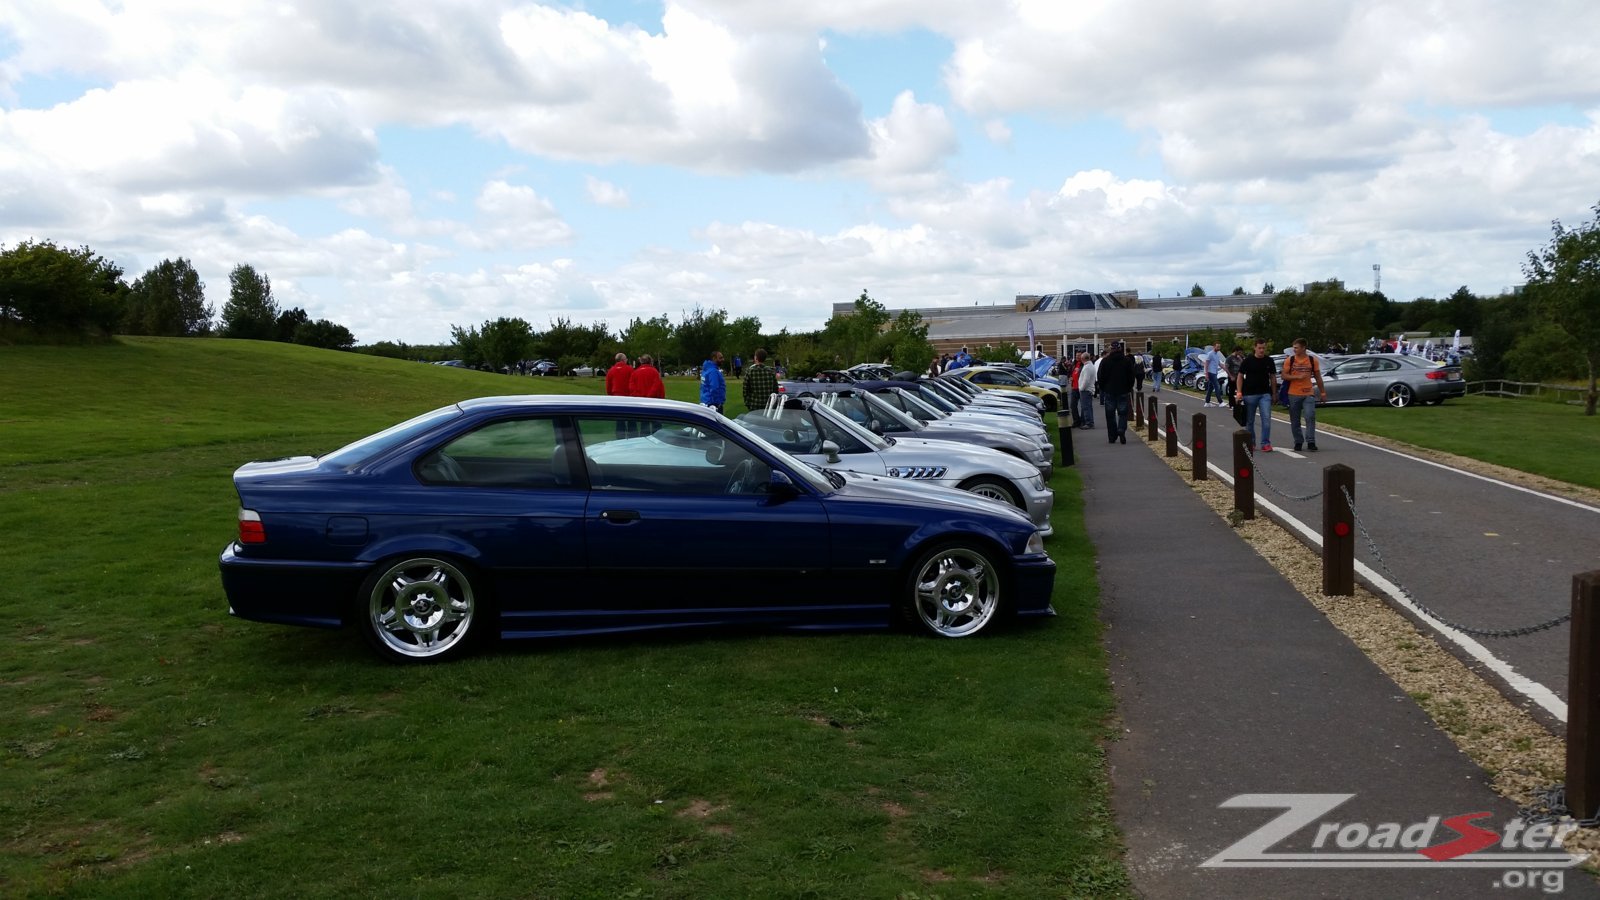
[[995, 490], [956, 592], [421, 608], [1398, 396]]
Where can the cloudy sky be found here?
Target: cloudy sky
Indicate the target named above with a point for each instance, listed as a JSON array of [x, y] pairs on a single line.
[[402, 166]]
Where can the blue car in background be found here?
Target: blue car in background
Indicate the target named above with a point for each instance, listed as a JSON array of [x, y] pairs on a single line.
[[510, 517]]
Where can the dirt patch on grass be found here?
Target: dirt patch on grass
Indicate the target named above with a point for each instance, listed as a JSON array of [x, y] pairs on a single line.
[[895, 810], [700, 809], [102, 714]]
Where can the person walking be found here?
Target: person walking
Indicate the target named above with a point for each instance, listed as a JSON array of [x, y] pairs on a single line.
[[760, 383], [1213, 374], [646, 380], [1256, 385], [1300, 370], [738, 367], [713, 387], [1231, 365], [1073, 403], [1086, 386], [1138, 372], [1157, 367], [1114, 379]]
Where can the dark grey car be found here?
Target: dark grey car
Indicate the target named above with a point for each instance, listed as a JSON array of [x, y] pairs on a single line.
[[1392, 379]]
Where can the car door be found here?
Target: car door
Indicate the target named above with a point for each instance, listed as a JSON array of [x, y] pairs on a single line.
[[682, 528], [1349, 381]]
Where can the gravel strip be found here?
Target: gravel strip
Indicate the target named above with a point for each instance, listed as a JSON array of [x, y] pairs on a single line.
[[1518, 753]]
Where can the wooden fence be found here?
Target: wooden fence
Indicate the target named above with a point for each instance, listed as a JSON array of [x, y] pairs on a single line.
[[1497, 387]]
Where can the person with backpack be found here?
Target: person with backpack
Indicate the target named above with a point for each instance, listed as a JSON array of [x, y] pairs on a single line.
[[1299, 371]]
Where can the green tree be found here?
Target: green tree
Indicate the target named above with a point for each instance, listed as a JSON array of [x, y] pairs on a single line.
[[1324, 315], [325, 334], [1238, 290], [289, 322], [908, 338], [653, 336], [250, 312], [741, 338], [52, 293], [857, 337], [169, 300], [1564, 283], [469, 344], [504, 341], [1268, 288], [1197, 290], [699, 333]]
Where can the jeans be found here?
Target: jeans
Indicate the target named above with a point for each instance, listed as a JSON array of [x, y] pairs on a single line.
[[1086, 409], [1214, 384], [1155, 384], [1116, 414], [1307, 405], [1258, 404], [1073, 405]]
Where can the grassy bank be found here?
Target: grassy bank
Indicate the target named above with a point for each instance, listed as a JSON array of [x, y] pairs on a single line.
[[152, 746]]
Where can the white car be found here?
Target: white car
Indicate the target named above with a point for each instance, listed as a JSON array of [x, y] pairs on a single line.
[[806, 429]]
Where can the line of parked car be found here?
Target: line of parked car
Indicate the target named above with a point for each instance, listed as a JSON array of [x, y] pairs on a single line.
[[1392, 379], [921, 500]]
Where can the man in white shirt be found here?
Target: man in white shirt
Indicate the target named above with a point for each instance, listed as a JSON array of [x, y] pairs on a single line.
[[1214, 363]]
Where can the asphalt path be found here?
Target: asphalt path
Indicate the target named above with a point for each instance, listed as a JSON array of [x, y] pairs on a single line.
[[1481, 553]]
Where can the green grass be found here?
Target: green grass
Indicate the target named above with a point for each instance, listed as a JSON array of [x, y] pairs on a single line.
[[1550, 439], [152, 746]]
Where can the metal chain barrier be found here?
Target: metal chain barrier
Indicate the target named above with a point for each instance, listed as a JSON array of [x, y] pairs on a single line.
[[1550, 806], [1261, 477], [1475, 632]]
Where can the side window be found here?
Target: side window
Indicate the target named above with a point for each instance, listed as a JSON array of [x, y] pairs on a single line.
[[511, 453], [983, 378], [1385, 365], [847, 442], [628, 454], [1355, 367]]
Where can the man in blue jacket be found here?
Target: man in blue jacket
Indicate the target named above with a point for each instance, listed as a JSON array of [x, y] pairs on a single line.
[[713, 389]]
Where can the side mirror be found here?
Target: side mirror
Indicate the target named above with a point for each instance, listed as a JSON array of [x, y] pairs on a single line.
[[831, 451], [781, 485]]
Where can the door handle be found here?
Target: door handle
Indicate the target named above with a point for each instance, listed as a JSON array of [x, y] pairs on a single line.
[[620, 516]]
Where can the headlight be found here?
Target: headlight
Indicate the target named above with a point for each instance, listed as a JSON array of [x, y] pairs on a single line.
[[1035, 544], [1038, 482]]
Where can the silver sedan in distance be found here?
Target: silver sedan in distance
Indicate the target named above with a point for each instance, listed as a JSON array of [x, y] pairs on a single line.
[[1392, 379]]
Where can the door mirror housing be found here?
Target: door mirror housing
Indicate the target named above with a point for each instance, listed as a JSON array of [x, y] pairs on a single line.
[[831, 451]]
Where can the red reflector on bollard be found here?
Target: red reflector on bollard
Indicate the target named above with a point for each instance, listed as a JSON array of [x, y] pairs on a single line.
[[1342, 529], [1244, 473], [1199, 445]]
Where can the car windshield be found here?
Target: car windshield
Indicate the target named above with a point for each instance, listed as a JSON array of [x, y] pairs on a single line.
[[926, 411], [389, 438], [809, 473], [856, 431], [947, 393], [885, 411]]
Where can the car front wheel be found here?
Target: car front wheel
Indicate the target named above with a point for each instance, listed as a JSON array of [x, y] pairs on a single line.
[[420, 609], [994, 489], [1398, 396], [954, 591]]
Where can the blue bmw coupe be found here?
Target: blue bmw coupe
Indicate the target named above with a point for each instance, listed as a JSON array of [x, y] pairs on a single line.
[[546, 516]]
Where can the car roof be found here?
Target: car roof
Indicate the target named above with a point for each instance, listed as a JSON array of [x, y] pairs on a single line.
[[570, 402]]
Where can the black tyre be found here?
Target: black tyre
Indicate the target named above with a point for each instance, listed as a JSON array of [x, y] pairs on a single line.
[[1399, 395], [995, 489]]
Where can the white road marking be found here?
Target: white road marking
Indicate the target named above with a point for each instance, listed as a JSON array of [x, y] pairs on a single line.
[[1289, 453], [1547, 699]]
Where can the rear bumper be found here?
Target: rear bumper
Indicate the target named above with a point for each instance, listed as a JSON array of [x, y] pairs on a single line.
[[289, 592]]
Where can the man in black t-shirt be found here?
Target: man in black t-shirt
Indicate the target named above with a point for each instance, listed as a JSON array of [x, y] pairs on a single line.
[[1256, 385]]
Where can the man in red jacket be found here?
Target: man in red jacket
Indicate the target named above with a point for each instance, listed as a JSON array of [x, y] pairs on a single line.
[[646, 380], [619, 377]]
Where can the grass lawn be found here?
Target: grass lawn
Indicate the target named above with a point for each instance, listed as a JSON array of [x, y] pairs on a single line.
[[1550, 439], [152, 746]]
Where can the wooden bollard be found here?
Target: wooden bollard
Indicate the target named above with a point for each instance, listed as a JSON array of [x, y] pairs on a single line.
[[1138, 410], [1583, 698], [1172, 429], [1338, 531], [1197, 443], [1152, 417], [1244, 475]]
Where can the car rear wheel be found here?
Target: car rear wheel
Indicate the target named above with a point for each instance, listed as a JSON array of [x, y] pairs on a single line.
[[954, 591], [994, 489], [420, 609], [1399, 396]]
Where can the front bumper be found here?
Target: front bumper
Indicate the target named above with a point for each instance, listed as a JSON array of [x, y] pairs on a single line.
[[1034, 578]]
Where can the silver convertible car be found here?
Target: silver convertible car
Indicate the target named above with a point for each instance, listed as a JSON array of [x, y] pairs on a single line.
[[808, 430]]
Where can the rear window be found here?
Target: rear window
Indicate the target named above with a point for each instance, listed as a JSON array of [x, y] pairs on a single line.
[[389, 438]]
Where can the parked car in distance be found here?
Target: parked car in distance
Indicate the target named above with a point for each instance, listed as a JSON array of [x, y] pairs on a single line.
[[1392, 379], [825, 438], [547, 516], [1006, 379], [878, 416], [587, 371], [974, 395]]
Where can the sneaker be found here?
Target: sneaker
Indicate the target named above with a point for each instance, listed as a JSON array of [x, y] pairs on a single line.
[[1266, 448], [1123, 438], [1297, 446], [1312, 447]]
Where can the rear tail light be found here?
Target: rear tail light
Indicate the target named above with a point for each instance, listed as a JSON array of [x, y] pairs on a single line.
[[250, 528], [1437, 375]]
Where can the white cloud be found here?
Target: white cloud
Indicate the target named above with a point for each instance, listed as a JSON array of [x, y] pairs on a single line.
[[604, 193], [514, 216]]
